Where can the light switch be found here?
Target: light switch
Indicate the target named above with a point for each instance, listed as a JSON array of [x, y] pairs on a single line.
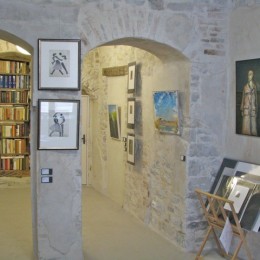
[[46, 171], [46, 179]]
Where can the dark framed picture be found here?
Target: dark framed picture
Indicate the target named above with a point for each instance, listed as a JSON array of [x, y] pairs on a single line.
[[131, 77], [58, 124], [59, 64], [131, 148], [131, 113], [114, 114], [247, 97]]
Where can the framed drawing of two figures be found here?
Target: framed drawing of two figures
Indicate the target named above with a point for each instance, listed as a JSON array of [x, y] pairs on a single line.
[[247, 97], [59, 64]]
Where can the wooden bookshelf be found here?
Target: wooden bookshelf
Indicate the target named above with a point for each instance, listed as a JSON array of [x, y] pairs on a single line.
[[15, 98]]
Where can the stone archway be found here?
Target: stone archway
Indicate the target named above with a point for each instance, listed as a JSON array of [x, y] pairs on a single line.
[[155, 186]]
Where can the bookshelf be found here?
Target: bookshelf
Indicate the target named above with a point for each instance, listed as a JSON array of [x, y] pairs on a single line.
[[15, 98]]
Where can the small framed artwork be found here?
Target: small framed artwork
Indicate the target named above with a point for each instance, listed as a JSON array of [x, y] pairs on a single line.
[[131, 113], [58, 124], [166, 112], [59, 64], [131, 77], [237, 195], [251, 218], [114, 121], [247, 97], [131, 148]]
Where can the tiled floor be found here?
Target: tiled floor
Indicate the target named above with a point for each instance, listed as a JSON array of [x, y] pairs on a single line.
[[109, 233]]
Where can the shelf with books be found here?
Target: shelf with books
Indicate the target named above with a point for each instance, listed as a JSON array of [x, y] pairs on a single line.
[[15, 96], [14, 173]]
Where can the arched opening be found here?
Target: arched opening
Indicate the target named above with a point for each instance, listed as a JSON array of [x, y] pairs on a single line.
[[150, 188], [16, 180]]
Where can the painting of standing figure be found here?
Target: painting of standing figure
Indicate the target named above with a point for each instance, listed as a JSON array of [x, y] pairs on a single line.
[[247, 100]]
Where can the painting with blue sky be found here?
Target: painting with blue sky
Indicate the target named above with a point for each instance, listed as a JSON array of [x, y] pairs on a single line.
[[166, 111]]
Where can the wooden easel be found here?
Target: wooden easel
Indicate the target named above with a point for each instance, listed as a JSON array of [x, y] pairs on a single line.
[[216, 215]]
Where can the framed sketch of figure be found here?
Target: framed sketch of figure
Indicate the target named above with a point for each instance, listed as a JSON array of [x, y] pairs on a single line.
[[59, 64], [58, 124]]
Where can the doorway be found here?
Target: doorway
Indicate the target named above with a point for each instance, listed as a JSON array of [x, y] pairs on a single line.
[[15, 181]]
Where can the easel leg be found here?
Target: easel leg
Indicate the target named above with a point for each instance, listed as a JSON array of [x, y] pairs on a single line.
[[203, 243], [248, 251], [218, 244], [237, 250]]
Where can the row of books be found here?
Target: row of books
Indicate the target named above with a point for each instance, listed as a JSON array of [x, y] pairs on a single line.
[[14, 67], [19, 113], [15, 130], [13, 96], [15, 81], [14, 163], [13, 146]]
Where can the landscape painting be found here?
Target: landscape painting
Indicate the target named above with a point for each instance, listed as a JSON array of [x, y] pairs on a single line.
[[114, 121], [166, 112]]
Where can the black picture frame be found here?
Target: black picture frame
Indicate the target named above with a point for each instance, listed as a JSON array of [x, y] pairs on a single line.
[[131, 113], [59, 64], [247, 112], [131, 149], [58, 124], [131, 77]]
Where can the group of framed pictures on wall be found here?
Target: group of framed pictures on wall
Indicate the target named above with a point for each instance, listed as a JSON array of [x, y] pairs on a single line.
[[58, 69], [114, 114], [131, 112]]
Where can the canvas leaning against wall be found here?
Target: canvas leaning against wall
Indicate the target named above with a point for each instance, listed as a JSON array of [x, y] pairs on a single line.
[[114, 121], [166, 112], [247, 97]]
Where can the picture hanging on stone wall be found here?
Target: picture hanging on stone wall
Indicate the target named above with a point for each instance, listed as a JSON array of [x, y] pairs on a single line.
[[131, 113], [58, 124], [131, 77], [166, 112], [59, 64], [114, 114], [247, 97], [131, 148]]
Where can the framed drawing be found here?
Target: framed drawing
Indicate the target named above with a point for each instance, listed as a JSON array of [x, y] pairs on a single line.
[[59, 64], [58, 124], [240, 182], [131, 148], [114, 121], [131, 77], [226, 169], [247, 97], [131, 113], [166, 112], [251, 217]]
